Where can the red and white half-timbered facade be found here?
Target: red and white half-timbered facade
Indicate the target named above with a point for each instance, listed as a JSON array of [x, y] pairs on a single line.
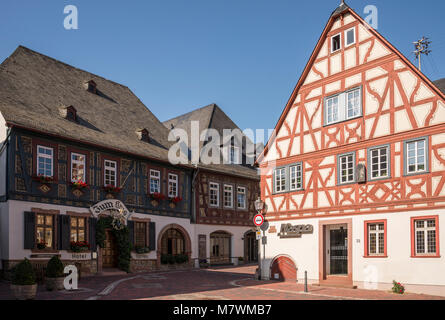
[[354, 178]]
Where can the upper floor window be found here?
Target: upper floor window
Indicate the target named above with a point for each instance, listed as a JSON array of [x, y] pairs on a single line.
[[234, 155], [296, 177], [280, 180], [45, 157], [426, 241], [172, 185], [214, 194], [336, 43], [350, 36], [416, 156], [346, 168], [379, 159], [155, 181], [110, 169], [344, 106], [78, 167], [241, 198], [228, 196]]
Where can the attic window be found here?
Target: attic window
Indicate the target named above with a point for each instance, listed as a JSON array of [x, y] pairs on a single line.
[[350, 37], [143, 134], [336, 43], [69, 113], [91, 86]]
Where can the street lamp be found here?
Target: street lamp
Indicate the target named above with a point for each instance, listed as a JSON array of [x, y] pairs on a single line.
[[259, 207]]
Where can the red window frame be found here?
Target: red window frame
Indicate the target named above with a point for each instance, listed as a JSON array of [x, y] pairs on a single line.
[[413, 237], [366, 226], [87, 164]]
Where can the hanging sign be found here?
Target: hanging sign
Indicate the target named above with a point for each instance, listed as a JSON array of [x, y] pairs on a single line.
[[112, 206]]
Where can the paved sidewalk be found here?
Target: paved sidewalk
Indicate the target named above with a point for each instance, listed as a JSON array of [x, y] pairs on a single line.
[[235, 283]]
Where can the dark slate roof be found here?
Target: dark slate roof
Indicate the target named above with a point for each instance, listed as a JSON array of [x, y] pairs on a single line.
[[440, 84], [342, 7], [211, 117], [33, 87]]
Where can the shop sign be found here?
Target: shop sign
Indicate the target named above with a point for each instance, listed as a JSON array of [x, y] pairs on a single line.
[[290, 231], [110, 205]]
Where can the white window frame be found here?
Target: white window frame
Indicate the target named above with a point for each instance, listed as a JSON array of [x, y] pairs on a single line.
[[111, 169], [425, 229], [155, 175], [377, 233], [332, 42], [342, 106], [346, 37], [280, 176], [172, 181], [228, 188], [340, 176], [45, 156], [79, 163], [416, 156], [293, 177], [347, 93], [234, 155], [379, 162], [243, 191], [214, 187], [332, 108]]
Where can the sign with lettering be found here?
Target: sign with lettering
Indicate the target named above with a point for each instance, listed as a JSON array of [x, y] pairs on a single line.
[[81, 256], [112, 205], [290, 231]]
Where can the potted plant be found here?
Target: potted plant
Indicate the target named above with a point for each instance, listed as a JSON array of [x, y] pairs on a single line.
[[79, 246], [43, 179], [54, 274], [24, 286], [41, 245], [398, 288], [203, 263], [156, 198], [240, 260]]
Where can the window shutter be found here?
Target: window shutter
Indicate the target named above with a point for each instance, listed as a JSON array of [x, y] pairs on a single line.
[[30, 230], [130, 225], [152, 236], [64, 232], [92, 234]]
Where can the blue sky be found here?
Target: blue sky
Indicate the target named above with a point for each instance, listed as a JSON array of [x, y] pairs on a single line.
[[178, 55]]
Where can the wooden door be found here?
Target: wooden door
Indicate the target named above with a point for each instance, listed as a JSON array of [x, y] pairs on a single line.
[[109, 252]]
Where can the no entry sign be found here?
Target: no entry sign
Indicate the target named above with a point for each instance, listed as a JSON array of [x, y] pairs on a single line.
[[258, 220]]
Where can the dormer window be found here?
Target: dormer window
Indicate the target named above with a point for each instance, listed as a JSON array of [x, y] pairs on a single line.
[[69, 113], [336, 43], [91, 86], [143, 134]]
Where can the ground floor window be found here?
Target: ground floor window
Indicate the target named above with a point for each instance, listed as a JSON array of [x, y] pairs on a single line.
[[173, 242], [375, 233], [45, 230], [140, 234], [78, 229], [425, 236]]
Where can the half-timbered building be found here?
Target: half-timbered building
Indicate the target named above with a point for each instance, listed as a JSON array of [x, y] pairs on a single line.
[[354, 178]]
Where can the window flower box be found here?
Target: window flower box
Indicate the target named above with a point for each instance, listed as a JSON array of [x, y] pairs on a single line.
[[174, 202], [156, 198], [43, 179], [79, 185], [111, 191], [41, 245], [79, 246], [142, 250]]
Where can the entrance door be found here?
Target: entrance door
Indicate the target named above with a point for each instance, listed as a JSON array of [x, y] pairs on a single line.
[[109, 252], [338, 251], [251, 247], [220, 248]]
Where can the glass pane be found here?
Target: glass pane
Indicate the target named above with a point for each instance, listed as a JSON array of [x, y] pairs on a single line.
[[49, 220]]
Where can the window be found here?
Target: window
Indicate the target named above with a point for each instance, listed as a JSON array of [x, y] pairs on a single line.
[[346, 168], [110, 173], [375, 238], [45, 161], [344, 106], [241, 198], [425, 236], [350, 37], [78, 167], [336, 43], [228, 196], [140, 234], [416, 156], [172, 185], [296, 177], [234, 155], [378, 159], [280, 180], [78, 230], [155, 181], [45, 230], [214, 194]]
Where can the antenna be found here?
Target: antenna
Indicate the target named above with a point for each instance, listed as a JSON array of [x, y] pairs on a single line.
[[421, 47]]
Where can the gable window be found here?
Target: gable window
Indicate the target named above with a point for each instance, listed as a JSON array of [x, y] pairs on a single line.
[[375, 238], [214, 194], [241, 198], [344, 106], [140, 234], [228, 196], [379, 159], [78, 229], [155, 181], [346, 168], [45, 230], [425, 237], [110, 169], [280, 180], [336, 43], [45, 157], [350, 36], [416, 156], [172, 185], [296, 177], [78, 167], [234, 155]]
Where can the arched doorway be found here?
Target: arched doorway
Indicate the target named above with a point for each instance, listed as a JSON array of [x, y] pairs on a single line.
[[250, 247], [283, 269], [173, 242], [220, 247]]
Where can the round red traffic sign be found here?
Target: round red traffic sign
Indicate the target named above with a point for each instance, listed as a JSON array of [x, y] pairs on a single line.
[[258, 220]]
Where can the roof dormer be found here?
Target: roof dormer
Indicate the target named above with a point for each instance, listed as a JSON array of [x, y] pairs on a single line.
[[143, 135], [91, 86], [68, 113]]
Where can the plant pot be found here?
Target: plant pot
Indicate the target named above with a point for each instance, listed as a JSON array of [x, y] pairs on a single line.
[[27, 292], [54, 284]]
